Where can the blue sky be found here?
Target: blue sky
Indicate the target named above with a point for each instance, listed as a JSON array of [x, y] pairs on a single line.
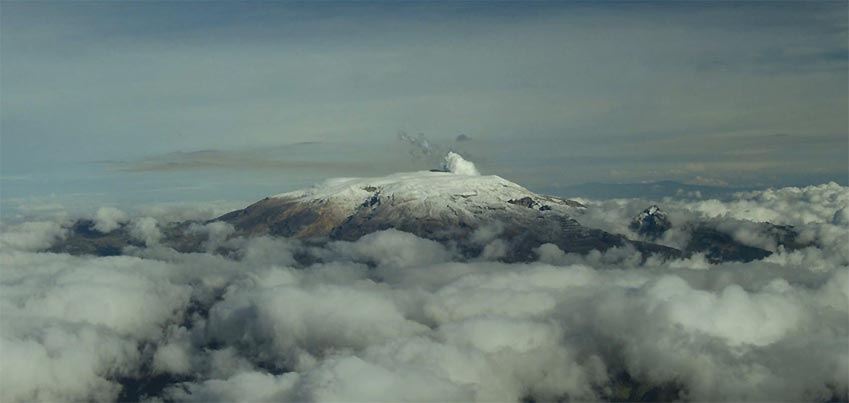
[[94, 94]]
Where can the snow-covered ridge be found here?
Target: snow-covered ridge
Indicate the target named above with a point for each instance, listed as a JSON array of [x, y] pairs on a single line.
[[420, 185], [456, 194], [459, 177], [419, 202]]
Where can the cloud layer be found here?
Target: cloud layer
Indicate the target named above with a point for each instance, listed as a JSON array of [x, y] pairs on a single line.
[[395, 317]]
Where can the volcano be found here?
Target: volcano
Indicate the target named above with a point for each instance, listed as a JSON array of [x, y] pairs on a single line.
[[454, 206]]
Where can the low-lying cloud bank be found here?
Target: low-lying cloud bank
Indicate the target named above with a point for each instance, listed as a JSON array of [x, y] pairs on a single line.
[[396, 317]]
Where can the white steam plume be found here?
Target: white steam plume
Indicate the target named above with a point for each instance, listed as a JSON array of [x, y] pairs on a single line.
[[455, 163]]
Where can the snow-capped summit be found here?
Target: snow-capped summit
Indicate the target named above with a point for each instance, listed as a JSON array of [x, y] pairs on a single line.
[[410, 185], [410, 199], [424, 189], [651, 223], [449, 207]]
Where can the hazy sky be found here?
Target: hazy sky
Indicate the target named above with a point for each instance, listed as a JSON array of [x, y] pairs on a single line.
[[95, 94]]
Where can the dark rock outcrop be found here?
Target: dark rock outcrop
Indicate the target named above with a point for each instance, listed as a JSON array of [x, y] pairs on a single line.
[[652, 223]]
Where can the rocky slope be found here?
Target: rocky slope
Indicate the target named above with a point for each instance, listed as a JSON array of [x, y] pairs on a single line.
[[714, 241], [467, 211]]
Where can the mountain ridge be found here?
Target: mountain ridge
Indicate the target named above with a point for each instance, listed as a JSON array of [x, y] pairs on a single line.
[[441, 206], [455, 206]]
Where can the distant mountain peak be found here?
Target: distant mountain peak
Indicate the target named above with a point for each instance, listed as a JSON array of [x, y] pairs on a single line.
[[651, 223]]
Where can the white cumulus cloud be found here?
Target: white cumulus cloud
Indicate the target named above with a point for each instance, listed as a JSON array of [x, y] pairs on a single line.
[[392, 316]]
